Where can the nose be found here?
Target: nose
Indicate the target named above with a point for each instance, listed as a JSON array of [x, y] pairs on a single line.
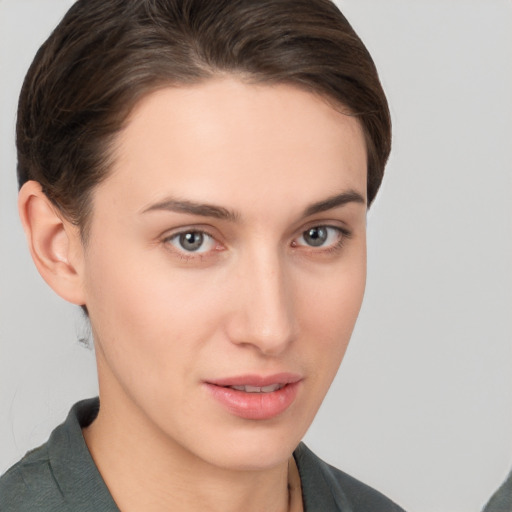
[[263, 312]]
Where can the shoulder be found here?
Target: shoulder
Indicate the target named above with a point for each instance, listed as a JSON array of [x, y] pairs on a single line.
[[59, 475], [29, 485], [328, 489], [501, 500]]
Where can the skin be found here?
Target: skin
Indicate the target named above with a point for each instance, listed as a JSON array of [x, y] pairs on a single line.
[[256, 298]]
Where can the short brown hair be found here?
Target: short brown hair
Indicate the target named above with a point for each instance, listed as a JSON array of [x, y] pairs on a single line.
[[105, 55]]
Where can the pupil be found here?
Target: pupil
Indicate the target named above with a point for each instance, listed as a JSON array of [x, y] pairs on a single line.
[[315, 236], [191, 241]]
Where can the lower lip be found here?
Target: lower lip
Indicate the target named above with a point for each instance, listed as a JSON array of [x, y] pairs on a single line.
[[255, 406]]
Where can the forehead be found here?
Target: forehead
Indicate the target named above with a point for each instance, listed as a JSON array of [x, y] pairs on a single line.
[[206, 142]]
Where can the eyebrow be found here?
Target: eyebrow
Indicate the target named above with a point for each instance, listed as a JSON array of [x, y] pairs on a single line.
[[219, 212], [350, 196], [193, 208]]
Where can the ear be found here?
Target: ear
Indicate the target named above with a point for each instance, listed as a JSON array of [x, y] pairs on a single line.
[[54, 243]]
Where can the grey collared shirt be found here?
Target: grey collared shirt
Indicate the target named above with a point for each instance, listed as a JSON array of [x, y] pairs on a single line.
[[60, 476], [501, 500]]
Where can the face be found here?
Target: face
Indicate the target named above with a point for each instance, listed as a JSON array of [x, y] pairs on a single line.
[[226, 267]]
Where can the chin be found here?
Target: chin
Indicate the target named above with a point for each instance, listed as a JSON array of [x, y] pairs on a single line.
[[255, 446], [252, 458]]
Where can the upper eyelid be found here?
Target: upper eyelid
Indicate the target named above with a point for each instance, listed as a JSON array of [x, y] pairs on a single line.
[[328, 226], [169, 238], [171, 233], [181, 252], [327, 220], [344, 233], [337, 225], [179, 233]]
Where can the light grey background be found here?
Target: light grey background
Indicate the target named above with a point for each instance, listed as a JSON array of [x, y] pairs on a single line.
[[422, 406]]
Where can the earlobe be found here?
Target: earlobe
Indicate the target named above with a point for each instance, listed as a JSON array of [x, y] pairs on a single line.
[[54, 243]]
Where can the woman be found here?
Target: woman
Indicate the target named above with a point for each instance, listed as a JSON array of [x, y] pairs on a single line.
[[196, 175]]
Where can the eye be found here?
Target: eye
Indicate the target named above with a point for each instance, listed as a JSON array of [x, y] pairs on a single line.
[[320, 236], [192, 241]]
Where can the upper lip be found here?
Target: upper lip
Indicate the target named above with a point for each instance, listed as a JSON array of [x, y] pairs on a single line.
[[257, 380]]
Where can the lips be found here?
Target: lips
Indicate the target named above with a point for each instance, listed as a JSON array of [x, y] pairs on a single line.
[[255, 397]]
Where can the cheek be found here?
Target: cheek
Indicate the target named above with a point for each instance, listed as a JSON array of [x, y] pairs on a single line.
[[148, 315], [329, 311], [152, 328]]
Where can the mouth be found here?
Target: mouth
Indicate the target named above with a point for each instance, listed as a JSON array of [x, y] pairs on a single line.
[[255, 397], [257, 389]]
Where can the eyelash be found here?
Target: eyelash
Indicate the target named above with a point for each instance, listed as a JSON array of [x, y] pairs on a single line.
[[342, 233], [189, 255]]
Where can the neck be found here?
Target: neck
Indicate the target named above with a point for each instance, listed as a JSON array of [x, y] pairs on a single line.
[[145, 470]]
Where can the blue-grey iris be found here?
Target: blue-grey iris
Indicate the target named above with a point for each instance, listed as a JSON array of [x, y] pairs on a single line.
[[191, 241], [315, 236]]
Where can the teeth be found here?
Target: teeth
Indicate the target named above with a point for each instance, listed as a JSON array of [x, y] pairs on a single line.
[[238, 388], [256, 389], [272, 387]]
